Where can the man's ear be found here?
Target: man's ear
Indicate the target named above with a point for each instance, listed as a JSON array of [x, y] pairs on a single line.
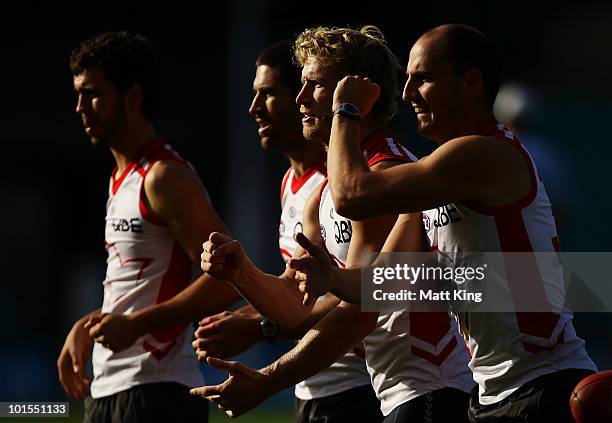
[[473, 82], [133, 98]]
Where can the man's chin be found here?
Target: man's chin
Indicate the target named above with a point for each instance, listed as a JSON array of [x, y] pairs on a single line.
[[314, 134], [99, 142], [269, 143]]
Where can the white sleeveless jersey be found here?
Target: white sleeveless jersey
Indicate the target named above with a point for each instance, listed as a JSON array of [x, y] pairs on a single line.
[[145, 266], [294, 195], [407, 354], [336, 230], [509, 349], [349, 371]]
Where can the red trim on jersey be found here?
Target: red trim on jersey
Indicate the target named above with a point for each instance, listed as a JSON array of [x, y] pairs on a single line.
[[175, 279], [141, 171], [116, 183], [377, 149], [337, 260], [323, 185], [533, 348], [524, 280], [283, 184], [155, 151], [298, 182], [492, 130], [555, 243], [359, 352], [429, 327], [286, 253], [144, 263], [436, 359], [158, 353], [145, 212], [146, 149]]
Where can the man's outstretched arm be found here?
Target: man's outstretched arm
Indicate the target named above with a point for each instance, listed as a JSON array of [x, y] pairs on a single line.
[[332, 337], [275, 297]]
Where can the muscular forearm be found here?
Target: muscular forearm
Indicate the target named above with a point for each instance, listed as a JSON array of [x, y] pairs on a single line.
[[348, 172], [347, 285], [253, 319], [319, 311], [274, 297], [204, 296], [323, 345]]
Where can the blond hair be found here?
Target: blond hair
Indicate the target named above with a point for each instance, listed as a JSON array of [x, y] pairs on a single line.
[[362, 52]]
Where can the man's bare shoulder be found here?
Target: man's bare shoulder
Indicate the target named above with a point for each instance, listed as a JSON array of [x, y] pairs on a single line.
[[170, 174], [478, 148]]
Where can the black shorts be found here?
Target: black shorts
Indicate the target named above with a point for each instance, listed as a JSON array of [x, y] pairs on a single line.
[[354, 405], [153, 402], [544, 399], [446, 405]]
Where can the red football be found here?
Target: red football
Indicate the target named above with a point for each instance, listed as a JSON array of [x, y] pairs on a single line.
[[591, 400]]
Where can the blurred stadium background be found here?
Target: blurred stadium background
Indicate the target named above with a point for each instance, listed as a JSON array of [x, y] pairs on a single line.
[[54, 184]]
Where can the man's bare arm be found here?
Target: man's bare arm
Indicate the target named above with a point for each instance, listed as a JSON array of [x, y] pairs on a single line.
[[320, 347], [175, 195], [466, 168]]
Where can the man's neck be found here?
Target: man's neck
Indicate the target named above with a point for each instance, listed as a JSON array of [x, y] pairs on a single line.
[[470, 125], [302, 155], [128, 142]]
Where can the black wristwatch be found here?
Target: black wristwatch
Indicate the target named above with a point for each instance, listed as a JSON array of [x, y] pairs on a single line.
[[269, 329], [348, 110]]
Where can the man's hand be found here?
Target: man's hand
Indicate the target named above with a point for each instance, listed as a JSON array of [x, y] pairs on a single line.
[[361, 92], [114, 331], [313, 271], [73, 360], [226, 334], [223, 257], [244, 389]]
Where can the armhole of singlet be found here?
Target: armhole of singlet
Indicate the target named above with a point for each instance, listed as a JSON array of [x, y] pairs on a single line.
[[146, 213], [321, 189], [519, 204], [284, 186]]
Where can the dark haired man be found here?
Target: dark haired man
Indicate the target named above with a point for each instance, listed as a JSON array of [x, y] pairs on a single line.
[[158, 214], [525, 363]]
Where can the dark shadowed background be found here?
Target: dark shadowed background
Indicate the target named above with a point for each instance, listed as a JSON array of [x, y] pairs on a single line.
[[54, 183]]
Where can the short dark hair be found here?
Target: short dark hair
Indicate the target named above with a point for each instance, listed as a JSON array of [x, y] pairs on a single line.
[[280, 56], [468, 48], [125, 59]]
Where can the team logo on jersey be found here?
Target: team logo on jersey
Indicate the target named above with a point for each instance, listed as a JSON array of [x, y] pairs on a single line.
[[292, 212], [446, 215], [298, 228], [125, 225], [331, 213], [323, 233], [343, 231]]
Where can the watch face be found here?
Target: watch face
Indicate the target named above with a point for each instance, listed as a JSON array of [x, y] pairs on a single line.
[[269, 328], [350, 108], [349, 111]]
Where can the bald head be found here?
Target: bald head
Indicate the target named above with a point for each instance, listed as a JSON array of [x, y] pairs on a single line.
[[466, 48]]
